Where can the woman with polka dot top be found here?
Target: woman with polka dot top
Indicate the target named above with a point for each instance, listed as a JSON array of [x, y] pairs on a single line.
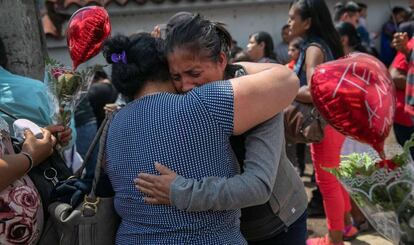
[[188, 133]]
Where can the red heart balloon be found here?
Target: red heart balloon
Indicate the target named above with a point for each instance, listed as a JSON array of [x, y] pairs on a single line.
[[88, 28], [357, 97]]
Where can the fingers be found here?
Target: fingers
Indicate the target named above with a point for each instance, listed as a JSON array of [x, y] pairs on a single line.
[[55, 128], [54, 140], [28, 134], [146, 191], [143, 183], [162, 169], [153, 195], [46, 133], [65, 136]]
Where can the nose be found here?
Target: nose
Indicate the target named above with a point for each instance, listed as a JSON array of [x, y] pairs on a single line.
[[187, 85]]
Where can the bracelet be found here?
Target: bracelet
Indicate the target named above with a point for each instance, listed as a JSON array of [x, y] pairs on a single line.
[[30, 161]]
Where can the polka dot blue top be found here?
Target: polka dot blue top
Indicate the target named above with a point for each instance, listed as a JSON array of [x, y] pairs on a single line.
[[189, 134]]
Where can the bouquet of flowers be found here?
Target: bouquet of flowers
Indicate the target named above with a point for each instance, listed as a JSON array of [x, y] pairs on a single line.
[[383, 190], [66, 88]]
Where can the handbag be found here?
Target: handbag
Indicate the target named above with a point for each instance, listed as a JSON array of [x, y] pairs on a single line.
[[303, 123], [93, 221]]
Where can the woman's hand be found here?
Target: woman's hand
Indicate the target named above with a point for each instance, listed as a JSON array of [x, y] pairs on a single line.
[[156, 187], [64, 134], [400, 42], [38, 149], [110, 108]]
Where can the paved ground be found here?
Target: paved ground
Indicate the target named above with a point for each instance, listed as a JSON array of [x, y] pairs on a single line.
[[317, 226]]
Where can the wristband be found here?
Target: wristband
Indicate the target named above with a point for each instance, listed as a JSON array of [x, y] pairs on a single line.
[[30, 161]]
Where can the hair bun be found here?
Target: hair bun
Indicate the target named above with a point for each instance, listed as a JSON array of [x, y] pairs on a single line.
[[115, 45]]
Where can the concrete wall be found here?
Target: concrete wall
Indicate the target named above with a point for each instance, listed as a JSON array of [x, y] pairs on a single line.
[[241, 16]]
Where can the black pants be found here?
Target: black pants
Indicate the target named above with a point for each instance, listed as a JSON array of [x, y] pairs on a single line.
[[295, 234], [402, 134]]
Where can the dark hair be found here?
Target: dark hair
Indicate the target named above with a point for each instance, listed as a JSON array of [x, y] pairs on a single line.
[[398, 9], [347, 29], [241, 56], [3, 56], [321, 23], [145, 61], [348, 7], [176, 19], [297, 42], [201, 36], [265, 37], [362, 6], [99, 74]]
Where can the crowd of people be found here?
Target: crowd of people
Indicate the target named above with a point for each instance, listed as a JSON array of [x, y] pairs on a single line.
[[196, 150]]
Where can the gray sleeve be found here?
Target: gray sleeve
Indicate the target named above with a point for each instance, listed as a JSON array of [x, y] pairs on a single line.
[[253, 187]]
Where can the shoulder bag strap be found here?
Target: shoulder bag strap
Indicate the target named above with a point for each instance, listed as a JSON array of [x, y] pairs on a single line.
[[101, 153], [92, 146]]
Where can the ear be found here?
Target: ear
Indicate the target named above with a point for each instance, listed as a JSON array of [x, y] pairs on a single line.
[[262, 44], [308, 23], [222, 61]]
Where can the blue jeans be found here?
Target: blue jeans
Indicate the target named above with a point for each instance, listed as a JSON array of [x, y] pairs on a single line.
[[85, 135], [295, 234]]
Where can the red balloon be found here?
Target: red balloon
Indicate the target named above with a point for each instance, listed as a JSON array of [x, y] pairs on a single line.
[[356, 96], [88, 28]]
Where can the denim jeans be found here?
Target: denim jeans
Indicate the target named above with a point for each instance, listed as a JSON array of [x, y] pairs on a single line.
[[295, 234], [85, 135]]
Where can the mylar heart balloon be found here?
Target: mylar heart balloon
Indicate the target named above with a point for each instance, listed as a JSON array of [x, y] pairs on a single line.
[[357, 97], [88, 28]]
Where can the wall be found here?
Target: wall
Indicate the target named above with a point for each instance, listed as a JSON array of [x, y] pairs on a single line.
[[241, 16]]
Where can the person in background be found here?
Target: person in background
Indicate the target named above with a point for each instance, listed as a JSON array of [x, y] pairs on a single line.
[[27, 98], [101, 93], [351, 42], [296, 152], [311, 20], [389, 28], [408, 26], [21, 213], [294, 51], [282, 48], [400, 70], [350, 39], [242, 56], [24, 98], [234, 50], [260, 48], [367, 39], [85, 122], [348, 12]]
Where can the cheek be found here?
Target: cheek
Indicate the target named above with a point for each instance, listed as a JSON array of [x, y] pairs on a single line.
[[213, 74]]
